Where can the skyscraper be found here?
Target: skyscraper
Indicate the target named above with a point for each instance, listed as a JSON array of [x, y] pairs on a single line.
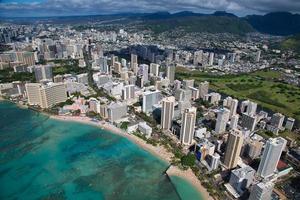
[[277, 120], [248, 107], [262, 191], [133, 62], [271, 156], [46, 96], [233, 148], [43, 72], [154, 69], [234, 121], [289, 123], [203, 89], [170, 73], [128, 92], [167, 112], [231, 104], [188, 126], [150, 98], [222, 119], [248, 121]]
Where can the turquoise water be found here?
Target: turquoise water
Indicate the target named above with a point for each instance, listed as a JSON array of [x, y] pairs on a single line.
[[185, 189], [41, 158]]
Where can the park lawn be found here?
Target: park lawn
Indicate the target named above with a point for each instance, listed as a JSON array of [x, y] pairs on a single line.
[[261, 87]]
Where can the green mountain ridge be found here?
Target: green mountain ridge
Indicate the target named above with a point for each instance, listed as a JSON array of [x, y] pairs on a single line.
[[292, 43]]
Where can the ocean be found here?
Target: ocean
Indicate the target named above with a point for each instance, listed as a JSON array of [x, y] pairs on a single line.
[[42, 158]]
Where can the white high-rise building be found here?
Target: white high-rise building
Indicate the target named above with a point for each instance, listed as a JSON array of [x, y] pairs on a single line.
[[231, 104], [234, 121], [271, 156], [128, 92], [211, 59], [262, 191], [170, 73], [167, 112], [188, 126], [248, 107], [222, 119], [289, 123], [150, 98], [154, 69]]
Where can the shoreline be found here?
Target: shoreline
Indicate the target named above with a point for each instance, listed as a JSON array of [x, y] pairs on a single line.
[[158, 151]]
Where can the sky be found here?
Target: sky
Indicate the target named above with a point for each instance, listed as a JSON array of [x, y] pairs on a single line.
[[36, 8]]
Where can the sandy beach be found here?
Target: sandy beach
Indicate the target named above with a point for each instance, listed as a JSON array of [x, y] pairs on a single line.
[[158, 151]]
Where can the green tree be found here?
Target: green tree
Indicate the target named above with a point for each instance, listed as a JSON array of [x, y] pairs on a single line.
[[188, 160]]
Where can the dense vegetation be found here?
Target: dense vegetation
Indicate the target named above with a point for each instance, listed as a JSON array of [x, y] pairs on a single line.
[[211, 24], [8, 75], [292, 43], [277, 23], [67, 67]]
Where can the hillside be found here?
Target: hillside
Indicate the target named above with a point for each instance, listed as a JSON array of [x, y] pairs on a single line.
[[292, 43], [205, 23], [277, 23]]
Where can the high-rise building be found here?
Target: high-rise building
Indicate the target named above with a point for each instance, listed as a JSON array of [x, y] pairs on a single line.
[[188, 83], [248, 107], [211, 59], [253, 149], [188, 126], [262, 191], [154, 69], [128, 92], [25, 57], [203, 89], [248, 121], [144, 71], [233, 148], [94, 105], [43, 72], [170, 73], [214, 161], [46, 96], [277, 120], [231, 104], [195, 93], [234, 121], [289, 123], [133, 62], [116, 111], [213, 98], [242, 178], [150, 98], [222, 119], [271, 156], [167, 112], [197, 57]]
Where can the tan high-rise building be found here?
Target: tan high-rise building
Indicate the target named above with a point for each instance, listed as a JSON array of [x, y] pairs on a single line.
[[167, 112], [26, 57], [203, 89], [46, 96], [188, 126], [33, 93], [233, 148], [134, 63]]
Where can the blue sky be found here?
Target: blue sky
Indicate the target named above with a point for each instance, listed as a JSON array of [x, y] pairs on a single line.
[[19, 8]]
